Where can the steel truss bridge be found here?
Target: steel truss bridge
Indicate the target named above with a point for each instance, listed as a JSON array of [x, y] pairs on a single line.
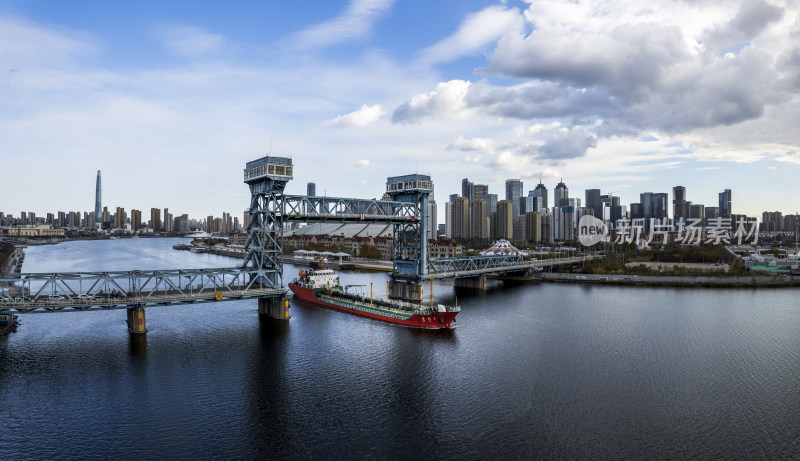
[[261, 274], [347, 210], [82, 291], [475, 266]]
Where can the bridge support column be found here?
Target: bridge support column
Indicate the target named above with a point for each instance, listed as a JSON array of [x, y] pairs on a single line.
[[277, 308], [473, 283], [136, 320], [407, 291]]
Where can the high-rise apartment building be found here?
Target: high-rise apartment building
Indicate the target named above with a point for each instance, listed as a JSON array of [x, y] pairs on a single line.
[[461, 220], [432, 223], [120, 218], [136, 220], [168, 221], [533, 226], [479, 228], [505, 220], [479, 190], [155, 219]]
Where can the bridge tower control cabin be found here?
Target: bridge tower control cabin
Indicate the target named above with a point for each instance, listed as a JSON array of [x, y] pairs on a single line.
[[410, 242], [267, 178]]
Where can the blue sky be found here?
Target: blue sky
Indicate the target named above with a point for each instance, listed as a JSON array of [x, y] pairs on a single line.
[[170, 99]]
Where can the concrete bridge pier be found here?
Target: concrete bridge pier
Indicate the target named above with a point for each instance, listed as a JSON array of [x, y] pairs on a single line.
[[405, 290], [136, 320], [276, 308], [473, 283]]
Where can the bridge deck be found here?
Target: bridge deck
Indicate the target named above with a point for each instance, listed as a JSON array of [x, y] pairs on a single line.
[[82, 291]]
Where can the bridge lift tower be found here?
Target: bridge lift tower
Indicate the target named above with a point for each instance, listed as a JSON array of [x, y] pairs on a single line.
[[267, 178], [410, 238]]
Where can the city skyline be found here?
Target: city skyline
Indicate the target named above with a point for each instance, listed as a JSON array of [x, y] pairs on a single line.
[[172, 104]]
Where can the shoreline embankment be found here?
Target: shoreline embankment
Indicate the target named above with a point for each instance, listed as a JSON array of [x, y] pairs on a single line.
[[752, 281]]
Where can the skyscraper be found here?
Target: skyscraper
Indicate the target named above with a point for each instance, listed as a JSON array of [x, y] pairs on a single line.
[[467, 189], [725, 203], [311, 189], [561, 194], [594, 201], [540, 192], [98, 210], [513, 193], [678, 203]]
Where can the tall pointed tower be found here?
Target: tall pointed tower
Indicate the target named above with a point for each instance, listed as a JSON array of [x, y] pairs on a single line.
[[98, 209]]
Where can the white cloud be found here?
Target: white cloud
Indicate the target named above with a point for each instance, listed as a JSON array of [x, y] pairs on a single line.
[[476, 32], [189, 40], [448, 99], [23, 43], [362, 162], [484, 145], [356, 22], [362, 117]]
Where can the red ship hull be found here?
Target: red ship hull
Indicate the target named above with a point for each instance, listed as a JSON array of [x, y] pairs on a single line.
[[432, 321]]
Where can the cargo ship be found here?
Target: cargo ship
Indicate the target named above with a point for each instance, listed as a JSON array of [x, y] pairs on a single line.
[[321, 287]]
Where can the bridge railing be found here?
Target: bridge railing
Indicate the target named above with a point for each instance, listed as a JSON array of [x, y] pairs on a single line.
[[73, 287], [337, 209], [474, 263]]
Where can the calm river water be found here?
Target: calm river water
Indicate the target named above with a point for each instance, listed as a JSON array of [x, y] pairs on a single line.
[[538, 371]]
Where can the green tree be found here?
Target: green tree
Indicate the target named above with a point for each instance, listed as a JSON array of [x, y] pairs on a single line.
[[369, 252]]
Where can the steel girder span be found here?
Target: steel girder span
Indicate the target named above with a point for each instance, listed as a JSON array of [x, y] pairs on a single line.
[[81, 291], [475, 265], [347, 210]]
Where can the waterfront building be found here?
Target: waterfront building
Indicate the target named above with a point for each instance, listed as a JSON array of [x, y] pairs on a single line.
[[120, 218], [168, 221], [155, 219], [106, 219], [136, 220], [513, 193]]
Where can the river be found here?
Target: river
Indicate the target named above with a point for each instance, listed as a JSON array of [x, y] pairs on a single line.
[[533, 371]]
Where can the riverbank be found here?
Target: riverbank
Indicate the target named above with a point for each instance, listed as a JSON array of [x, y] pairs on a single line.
[[11, 258], [756, 281]]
